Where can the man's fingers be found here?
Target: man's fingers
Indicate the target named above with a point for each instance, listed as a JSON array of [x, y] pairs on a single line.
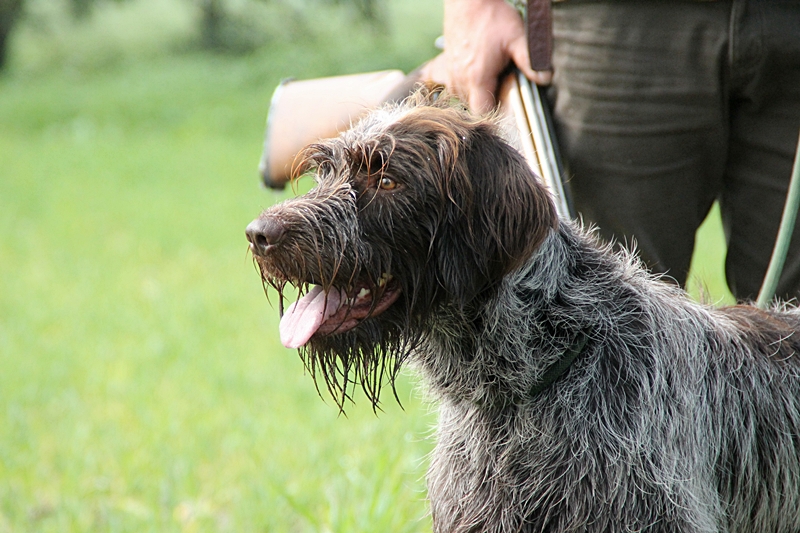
[[481, 99], [436, 71], [540, 77], [518, 50]]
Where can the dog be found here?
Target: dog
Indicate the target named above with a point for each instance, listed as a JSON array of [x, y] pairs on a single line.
[[576, 391]]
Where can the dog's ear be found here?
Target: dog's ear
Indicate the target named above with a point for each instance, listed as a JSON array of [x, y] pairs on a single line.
[[497, 212], [483, 209]]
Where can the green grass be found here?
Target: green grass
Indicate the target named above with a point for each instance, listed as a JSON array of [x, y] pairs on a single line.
[[143, 387], [707, 275]]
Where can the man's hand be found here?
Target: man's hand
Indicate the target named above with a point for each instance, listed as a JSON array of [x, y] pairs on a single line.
[[481, 37]]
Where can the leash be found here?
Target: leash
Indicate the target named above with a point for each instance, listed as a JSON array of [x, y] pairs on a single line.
[[560, 367], [784, 236]]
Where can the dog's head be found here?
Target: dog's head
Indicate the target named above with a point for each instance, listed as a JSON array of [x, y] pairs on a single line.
[[419, 208]]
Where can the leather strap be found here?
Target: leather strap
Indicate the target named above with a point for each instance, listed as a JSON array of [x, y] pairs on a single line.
[[560, 367], [540, 34]]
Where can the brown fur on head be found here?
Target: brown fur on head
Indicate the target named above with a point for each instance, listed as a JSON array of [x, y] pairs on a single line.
[[422, 193]]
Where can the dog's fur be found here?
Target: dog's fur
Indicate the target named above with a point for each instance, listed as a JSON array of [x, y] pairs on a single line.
[[675, 417]]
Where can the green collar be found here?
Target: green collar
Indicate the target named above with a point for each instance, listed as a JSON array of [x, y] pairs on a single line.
[[560, 367]]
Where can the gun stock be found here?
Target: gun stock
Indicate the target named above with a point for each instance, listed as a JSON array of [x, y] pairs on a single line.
[[302, 112]]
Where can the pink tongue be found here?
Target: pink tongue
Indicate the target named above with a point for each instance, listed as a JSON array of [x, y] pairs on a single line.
[[302, 319]]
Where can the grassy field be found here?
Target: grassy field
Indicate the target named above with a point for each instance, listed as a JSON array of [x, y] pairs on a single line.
[[143, 387]]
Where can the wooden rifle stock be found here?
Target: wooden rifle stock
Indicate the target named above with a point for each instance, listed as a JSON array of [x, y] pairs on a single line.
[[302, 112]]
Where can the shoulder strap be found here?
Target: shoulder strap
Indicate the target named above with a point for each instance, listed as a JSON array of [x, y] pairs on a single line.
[[539, 23]]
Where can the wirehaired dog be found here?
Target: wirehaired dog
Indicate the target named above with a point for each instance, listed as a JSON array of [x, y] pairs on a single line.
[[577, 392]]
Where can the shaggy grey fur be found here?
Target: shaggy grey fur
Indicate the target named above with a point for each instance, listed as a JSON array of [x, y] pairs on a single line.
[[675, 417]]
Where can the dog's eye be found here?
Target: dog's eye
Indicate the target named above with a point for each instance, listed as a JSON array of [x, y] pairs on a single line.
[[387, 184]]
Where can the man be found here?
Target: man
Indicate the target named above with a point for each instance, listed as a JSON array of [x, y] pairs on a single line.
[[661, 108]]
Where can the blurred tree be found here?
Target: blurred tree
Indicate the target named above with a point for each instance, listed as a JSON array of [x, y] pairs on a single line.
[[213, 15], [222, 30], [10, 11], [369, 9], [218, 30], [81, 9]]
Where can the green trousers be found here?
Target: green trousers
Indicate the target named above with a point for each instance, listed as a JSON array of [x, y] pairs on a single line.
[[663, 107]]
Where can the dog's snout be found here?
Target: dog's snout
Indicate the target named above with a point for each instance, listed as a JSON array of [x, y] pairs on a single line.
[[263, 234]]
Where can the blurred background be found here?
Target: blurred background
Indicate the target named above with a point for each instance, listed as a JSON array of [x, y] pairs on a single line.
[[142, 383]]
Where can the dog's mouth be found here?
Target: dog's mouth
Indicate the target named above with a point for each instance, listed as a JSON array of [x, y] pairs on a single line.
[[325, 313]]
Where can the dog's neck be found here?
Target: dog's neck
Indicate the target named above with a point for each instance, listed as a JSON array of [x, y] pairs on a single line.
[[473, 356]]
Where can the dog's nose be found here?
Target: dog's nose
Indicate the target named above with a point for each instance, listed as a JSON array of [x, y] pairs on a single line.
[[263, 234]]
